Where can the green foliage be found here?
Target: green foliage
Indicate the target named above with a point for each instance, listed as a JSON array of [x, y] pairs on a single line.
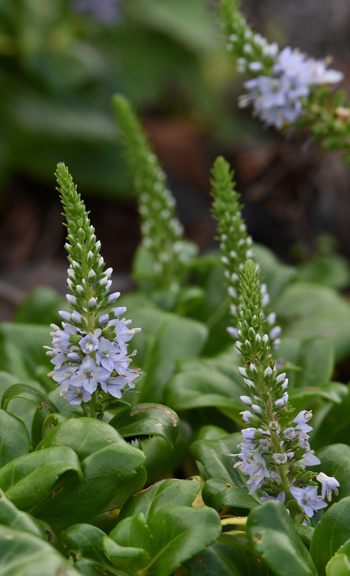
[[162, 236], [272, 534]]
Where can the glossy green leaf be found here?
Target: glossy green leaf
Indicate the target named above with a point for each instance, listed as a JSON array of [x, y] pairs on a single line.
[[229, 556], [147, 420], [84, 435], [219, 494], [12, 517], [271, 532], [129, 488], [21, 408], [214, 457], [178, 534], [26, 392], [173, 534], [163, 493], [127, 559], [28, 480], [130, 545], [51, 421], [160, 461], [22, 554], [339, 565], [330, 533], [85, 543], [14, 439], [108, 465]]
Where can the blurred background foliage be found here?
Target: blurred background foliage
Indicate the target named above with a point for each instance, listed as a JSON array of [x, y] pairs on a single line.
[[60, 63]]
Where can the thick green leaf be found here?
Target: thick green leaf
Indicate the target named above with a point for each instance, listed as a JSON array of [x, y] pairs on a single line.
[[130, 545], [214, 457], [85, 543], [160, 461], [21, 408], [178, 534], [108, 465], [330, 533], [18, 520], [339, 565], [203, 387], [172, 535], [22, 554], [218, 494], [105, 472], [147, 420], [271, 532], [28, 480], [84, 435], [229, 556], [14, 439], [127, 559], [163, 493], [129, 488], [26, 392]]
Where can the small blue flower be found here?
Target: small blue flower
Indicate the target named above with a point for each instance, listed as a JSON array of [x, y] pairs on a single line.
[[89, 375], [308, 499], [329, 483]]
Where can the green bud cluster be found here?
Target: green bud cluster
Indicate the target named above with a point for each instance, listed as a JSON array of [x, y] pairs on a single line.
[[162, 233], [235, 244], [88, 280], [246, 46]]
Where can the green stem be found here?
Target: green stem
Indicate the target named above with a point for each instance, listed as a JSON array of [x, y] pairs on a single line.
[[93, 404]]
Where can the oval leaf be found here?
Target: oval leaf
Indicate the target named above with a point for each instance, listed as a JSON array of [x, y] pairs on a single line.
[[22, 554], [28, 480], [271, 532], [331, 532], [147, 420], [218, 494], [28, 393], [14, 438]]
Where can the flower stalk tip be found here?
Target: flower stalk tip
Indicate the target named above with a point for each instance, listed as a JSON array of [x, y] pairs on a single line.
[[90, 350]]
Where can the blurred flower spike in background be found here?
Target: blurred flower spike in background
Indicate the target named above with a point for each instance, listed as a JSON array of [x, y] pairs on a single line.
[[281, 81], [105, 11]]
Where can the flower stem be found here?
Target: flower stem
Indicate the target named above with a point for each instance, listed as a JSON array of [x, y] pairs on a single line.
[[93, 404]]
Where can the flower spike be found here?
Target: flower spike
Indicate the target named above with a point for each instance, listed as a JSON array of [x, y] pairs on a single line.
[[89, 352], [275, 450]]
